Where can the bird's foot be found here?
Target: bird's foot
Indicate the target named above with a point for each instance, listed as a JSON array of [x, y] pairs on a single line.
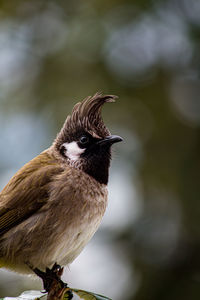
[[51, 278]]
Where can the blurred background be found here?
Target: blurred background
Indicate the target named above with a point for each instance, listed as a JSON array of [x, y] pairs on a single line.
[[55, 53]]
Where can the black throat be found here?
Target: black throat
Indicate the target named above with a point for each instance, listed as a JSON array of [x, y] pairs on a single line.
[[97, 166]]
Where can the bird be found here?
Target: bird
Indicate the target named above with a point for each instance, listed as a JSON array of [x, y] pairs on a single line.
[[53, 205]]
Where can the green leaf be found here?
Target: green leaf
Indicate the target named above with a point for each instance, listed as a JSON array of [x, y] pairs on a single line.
[[85, 295], [78, 294], [28, 295]]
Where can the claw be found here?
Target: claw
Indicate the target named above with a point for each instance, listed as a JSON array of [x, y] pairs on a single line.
[[51, 277]]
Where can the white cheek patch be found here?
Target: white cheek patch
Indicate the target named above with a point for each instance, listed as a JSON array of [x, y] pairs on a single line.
[[73, 151]]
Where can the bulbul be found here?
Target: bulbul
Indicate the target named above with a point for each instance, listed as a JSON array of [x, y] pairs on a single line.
[[53, 205]]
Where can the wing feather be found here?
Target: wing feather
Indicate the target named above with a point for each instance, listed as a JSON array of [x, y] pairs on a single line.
[[27, 191]]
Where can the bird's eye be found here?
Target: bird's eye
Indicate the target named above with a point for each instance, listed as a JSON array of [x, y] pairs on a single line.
[[84, 139]]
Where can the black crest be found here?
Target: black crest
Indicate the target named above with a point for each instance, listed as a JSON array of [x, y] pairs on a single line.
[[86, 115]]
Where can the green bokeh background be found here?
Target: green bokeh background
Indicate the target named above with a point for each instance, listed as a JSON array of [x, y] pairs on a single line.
[[55, 53]]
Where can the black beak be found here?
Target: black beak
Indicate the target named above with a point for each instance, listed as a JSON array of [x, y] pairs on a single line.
[[109, 140]]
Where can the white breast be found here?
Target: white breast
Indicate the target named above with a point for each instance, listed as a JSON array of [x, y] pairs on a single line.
[[80, 231], [73, 242]]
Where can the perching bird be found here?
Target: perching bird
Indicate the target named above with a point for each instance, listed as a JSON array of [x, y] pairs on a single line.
[[53, 205]]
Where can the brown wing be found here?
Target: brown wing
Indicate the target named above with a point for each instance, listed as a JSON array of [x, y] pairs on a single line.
[[27, 191]]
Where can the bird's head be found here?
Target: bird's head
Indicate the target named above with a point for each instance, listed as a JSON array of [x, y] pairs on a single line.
[[84, 141]]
